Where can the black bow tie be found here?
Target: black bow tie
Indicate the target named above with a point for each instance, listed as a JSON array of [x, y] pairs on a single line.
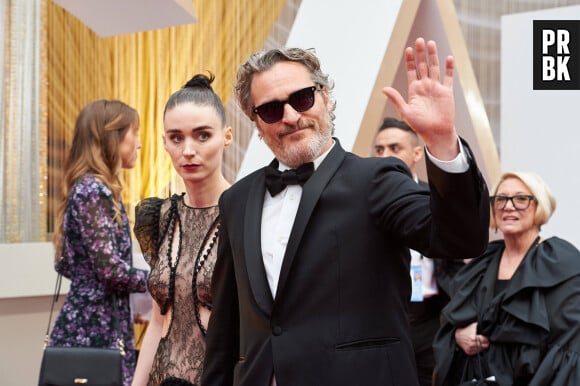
[[276, 181]]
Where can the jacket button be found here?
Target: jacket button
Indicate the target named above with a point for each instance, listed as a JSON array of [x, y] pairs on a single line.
[[277, 330]]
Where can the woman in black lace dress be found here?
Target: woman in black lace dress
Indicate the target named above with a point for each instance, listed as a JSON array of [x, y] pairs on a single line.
[[178, 237]]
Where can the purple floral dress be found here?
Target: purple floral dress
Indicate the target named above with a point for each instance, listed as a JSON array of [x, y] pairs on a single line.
[[97, 258]]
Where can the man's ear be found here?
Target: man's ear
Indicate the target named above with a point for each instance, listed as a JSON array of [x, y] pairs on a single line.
[[260, 133], [417, 153]]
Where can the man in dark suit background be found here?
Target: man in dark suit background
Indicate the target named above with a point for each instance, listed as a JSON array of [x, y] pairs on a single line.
[[430, 293], [311, 282]]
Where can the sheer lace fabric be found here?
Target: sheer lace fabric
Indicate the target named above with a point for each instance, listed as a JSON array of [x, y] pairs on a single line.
[[181, 351]]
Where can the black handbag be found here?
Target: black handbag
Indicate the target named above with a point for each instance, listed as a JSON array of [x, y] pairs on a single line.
[[72, 366], [474, 374]]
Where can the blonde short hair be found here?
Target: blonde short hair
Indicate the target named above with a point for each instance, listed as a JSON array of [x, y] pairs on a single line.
[[546, 203]]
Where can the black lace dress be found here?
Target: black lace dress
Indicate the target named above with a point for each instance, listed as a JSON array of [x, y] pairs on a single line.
[[192, 237]]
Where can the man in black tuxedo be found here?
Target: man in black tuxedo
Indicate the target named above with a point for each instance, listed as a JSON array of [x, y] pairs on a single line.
[[311, 282], [431, 292]]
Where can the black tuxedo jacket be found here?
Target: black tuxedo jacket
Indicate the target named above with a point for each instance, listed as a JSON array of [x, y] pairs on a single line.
[[445, 270], [339, 316]]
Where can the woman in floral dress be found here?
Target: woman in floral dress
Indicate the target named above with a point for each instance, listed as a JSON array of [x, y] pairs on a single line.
[[92, 236], [178, 237]]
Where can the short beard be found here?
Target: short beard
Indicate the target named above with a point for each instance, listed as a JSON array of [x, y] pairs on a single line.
[[300, 154]]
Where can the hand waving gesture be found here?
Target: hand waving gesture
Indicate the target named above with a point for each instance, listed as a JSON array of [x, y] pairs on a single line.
[[430, 109]]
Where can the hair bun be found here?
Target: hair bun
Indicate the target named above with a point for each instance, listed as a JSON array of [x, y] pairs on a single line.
[[200, 81]]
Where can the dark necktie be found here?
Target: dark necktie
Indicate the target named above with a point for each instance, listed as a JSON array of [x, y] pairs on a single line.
[[276, 181]]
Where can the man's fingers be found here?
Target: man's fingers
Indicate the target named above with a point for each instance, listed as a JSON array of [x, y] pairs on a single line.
[[421, 57], [410, 65], [395, 97], [449, 66], [434, 70]]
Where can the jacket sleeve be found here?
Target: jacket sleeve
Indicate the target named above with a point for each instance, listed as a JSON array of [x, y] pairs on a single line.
[[450, 222], [222, 341], [460, 208]]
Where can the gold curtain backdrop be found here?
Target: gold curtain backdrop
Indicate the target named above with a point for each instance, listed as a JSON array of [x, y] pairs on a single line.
[[22, 125], [143, 69], [53, 65]]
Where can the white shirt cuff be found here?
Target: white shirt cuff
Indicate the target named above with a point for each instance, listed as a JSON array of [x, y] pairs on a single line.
[[459, 164]]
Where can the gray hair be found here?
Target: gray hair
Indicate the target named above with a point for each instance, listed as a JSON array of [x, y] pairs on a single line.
[[264, 60]]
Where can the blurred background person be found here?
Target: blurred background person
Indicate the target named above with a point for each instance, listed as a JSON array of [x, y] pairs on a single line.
[[431, 277], [517, 305], [92, 237], [178, 237], [396, 139]]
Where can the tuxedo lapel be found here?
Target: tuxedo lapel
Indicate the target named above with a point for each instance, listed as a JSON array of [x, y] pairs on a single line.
[[310, 195], [253, 246]]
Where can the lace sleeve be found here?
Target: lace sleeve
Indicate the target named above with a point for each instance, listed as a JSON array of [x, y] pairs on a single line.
[[146, 228]]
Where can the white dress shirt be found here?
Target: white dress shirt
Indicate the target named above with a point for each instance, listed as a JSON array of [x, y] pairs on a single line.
[[279, 213], [278, 217]]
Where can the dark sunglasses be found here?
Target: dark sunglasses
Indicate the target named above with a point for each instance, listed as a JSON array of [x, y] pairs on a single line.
[[300, 101]]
